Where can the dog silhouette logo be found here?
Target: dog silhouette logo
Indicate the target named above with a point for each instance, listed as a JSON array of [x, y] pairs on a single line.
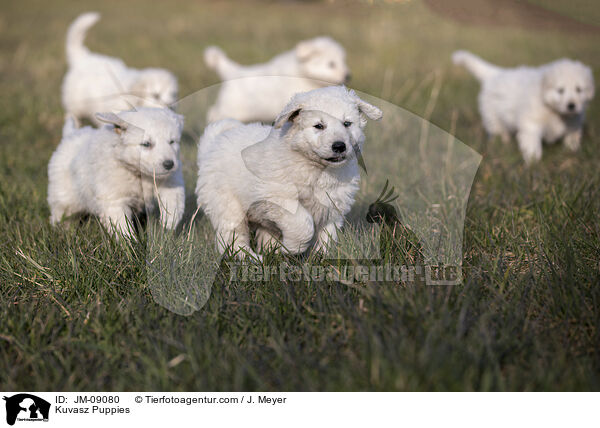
[[26, 407]]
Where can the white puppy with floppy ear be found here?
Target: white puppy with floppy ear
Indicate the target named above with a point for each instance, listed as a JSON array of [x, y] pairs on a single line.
[[293, 182], [259, 92], [541, 104], [98, 83], [120, 169]]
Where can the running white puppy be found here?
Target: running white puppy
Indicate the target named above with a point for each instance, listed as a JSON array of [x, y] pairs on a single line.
[[541, 104], [118, 170], [293, 182], [259, 92], [98, 83]]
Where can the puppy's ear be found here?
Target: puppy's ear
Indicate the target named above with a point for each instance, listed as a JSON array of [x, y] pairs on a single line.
[[305, 50], [590, 88], [111, 118], [547, 80], [369, 110], [286, 116], [549, 94]]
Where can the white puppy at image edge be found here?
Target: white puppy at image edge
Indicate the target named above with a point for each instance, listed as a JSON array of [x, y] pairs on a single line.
[[97, 83], [537, 104], [259, 92], [294, 182], [120, 169]]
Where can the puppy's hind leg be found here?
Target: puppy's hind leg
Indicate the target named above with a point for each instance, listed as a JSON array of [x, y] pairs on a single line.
[[297, 228], [57, 212], [494, 127], [62, 200], [267, 240]]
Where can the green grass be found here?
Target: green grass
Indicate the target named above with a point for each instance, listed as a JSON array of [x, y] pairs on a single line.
[[76, 306], [581, 10]]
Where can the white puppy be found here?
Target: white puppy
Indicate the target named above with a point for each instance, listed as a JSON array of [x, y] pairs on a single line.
[[538, 104], [259, 92], [293, 182], [118, 170], [97, 83]]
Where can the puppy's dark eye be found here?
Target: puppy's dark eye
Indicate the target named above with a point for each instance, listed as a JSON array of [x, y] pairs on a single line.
[[319, 126], [578, 89], [347, 124], [561, 90], [331, 64], [146, 144], [172, 142]]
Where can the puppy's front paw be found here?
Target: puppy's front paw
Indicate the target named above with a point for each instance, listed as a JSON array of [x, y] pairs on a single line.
[[267, 241], [573, 141], [531, 148], [532, 156], [245, 253]]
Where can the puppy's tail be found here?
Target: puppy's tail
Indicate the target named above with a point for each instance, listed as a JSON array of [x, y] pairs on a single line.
[[481, 69], [211, 132], [76, 35], [218, 60]]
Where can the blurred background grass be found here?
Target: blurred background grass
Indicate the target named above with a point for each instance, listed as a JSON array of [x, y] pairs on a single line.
[[75, 309]]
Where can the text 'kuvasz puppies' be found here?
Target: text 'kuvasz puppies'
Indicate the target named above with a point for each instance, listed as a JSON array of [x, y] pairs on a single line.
[[98, 83], [538, 104], [259, 92], [294, 182], [120, 169]]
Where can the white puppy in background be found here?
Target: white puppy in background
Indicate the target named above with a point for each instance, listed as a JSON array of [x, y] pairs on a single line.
[[293, 182], [537, 104], [259, 92], [118, 170], [98, 83]]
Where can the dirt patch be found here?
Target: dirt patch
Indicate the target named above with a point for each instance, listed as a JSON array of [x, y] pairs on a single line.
[[510, 13]]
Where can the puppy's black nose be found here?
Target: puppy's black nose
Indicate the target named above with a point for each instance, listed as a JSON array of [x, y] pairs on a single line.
[[571, 106], [168, 164], [348, 77], [338, 147]]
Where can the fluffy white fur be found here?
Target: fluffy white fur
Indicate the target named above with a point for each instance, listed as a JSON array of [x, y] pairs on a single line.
[[120, 169], [259, 92], [98, 83], [293, 182], [537, 104]]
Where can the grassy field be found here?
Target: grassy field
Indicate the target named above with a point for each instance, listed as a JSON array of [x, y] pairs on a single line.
[[76, 310]]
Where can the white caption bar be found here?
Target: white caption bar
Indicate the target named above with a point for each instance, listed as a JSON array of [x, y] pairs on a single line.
[[297, 409]]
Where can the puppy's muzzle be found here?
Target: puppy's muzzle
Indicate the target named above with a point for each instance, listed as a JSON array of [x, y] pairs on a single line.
[[571, 107], [338, 147], [168, 164]]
